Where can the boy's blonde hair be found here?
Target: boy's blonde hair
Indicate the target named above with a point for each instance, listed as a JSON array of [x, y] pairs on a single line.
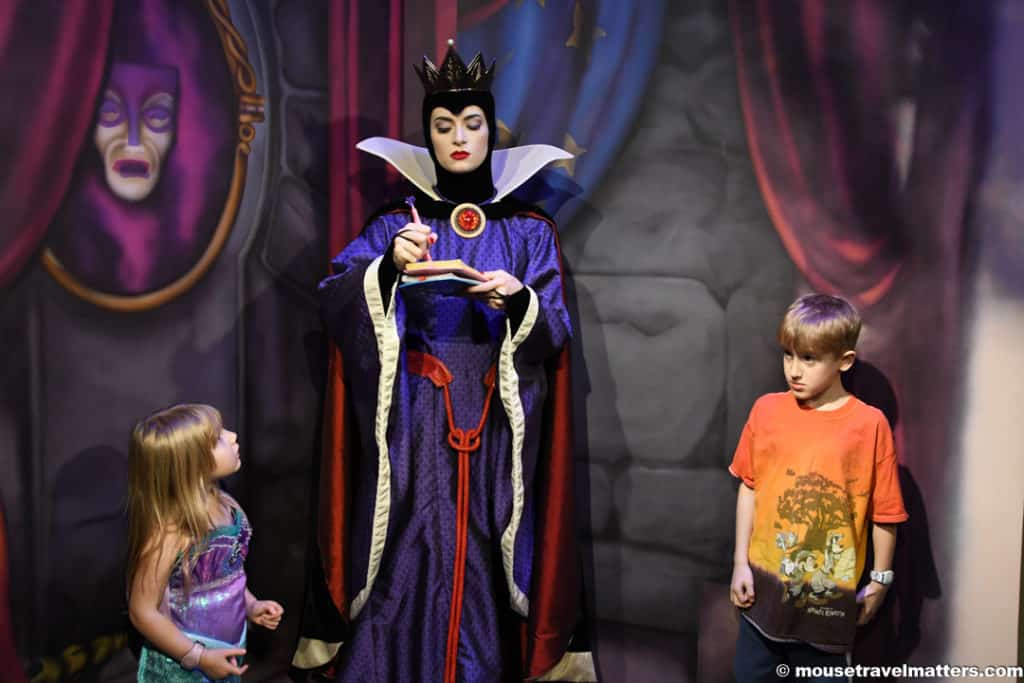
[[170, 468], [820, 324]]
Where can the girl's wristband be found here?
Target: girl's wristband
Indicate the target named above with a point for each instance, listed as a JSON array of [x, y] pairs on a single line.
[[190, 660]]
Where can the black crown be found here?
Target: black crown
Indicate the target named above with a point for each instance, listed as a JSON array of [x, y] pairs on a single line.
[[454, 75]]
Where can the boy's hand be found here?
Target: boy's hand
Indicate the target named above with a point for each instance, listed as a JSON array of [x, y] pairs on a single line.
[[741, 591], [870, 599], [221, 663], [265, 613]]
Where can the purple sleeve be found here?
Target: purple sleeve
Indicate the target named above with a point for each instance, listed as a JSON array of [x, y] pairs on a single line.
[[546, 320], [343, 294]]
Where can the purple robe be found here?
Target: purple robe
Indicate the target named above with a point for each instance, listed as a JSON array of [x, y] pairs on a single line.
[[400, 555]]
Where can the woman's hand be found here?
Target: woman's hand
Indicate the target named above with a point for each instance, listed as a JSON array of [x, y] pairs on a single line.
[[265, 613], [412, 243], [221, 663], [498, 286]]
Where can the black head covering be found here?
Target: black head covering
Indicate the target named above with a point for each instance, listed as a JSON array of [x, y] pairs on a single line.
[[455, 86]]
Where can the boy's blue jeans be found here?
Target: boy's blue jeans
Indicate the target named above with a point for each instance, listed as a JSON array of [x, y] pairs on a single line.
[[760, 659]]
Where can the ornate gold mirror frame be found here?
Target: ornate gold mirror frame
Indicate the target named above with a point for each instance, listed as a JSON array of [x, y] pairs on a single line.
[[250, 111]]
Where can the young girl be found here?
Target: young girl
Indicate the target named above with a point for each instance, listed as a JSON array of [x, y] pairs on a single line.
[[186, 549]]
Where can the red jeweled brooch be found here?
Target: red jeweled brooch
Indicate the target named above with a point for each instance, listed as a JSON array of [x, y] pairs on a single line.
[[468, 220]]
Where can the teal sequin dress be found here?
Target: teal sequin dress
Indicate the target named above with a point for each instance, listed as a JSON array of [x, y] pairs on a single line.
[[213, 610]]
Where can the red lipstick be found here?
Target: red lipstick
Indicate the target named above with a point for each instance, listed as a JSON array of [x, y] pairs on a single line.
[[460, 155]]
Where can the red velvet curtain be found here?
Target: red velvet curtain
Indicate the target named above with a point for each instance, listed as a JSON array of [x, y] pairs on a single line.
[[816, 101], [863, 127], [54, 53], [8, 654], [365, 99]]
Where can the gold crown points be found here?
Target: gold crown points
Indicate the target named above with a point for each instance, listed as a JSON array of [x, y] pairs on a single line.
[[454, 74]]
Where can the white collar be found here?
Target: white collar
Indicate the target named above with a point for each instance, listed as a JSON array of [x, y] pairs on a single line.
[[510, 167]]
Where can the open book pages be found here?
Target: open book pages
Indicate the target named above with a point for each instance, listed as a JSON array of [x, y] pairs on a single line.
[[425, 269], [445, 283]]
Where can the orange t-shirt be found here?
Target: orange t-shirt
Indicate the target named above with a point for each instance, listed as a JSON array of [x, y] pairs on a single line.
[[818, 477]]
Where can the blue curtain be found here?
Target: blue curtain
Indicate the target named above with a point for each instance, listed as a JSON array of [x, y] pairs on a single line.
[[590, 89]]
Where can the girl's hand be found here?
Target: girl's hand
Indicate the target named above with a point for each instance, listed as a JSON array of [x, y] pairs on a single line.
[[265, 613], [221, 663], [496, 289], [741, 590]]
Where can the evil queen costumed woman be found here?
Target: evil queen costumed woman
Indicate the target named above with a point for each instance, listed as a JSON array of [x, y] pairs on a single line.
[[448, 550]]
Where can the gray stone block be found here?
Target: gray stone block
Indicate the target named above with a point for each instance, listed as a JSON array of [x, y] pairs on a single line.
[[655, 365], [715, 106], [697, 29], [669, 96], [682, 510], [747, 254], [302, 35], [647, 588], [635, 654], [295, 249], [656, 133], [754, 361], [598, 498], [647, 223], [305, 140], [707, 453], [743, 200]]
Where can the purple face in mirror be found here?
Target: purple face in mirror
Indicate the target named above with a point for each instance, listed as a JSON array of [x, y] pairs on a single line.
[[135, 127]]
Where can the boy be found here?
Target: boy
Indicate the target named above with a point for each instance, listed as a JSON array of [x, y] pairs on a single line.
[[816, 465]]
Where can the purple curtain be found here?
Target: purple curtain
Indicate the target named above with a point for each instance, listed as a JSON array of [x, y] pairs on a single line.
[[54, 53]]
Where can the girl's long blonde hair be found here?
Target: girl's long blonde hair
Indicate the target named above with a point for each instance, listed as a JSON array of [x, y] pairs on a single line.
[[170, 467]]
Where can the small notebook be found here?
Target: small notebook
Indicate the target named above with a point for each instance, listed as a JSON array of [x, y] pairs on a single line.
[[449, 277], [425, 269], [439, 284]]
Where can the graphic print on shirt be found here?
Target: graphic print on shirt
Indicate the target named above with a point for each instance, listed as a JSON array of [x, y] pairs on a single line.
[[815, 554]]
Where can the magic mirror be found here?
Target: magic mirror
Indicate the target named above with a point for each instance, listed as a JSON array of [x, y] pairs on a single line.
[[159, 181]]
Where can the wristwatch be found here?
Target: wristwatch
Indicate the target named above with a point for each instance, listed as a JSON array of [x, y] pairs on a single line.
[[884, 577]]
